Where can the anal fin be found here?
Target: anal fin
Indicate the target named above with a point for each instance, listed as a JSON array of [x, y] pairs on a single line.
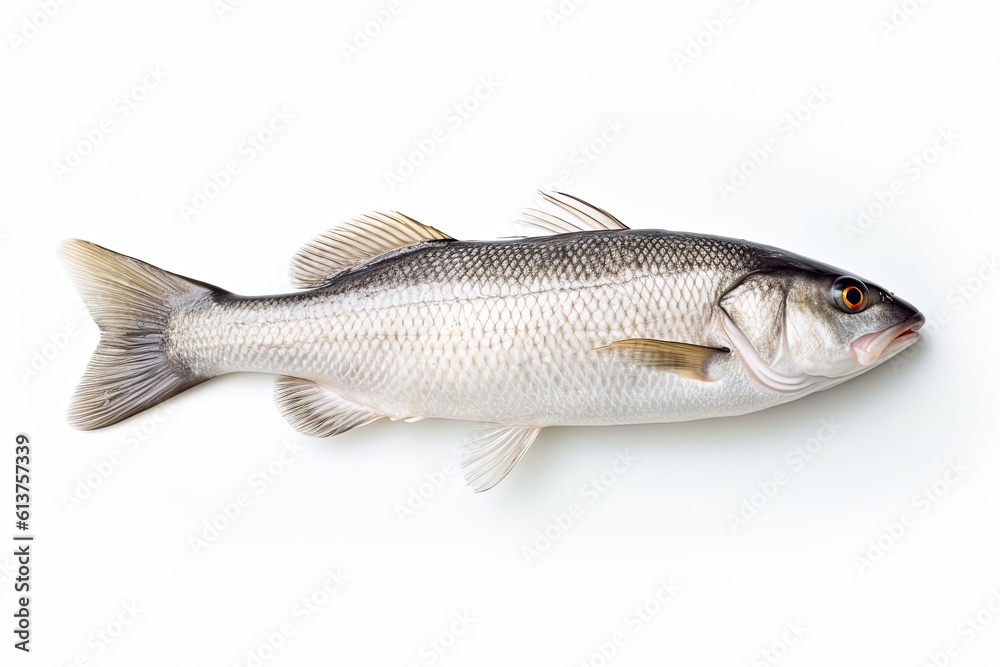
[[491, 451], [317, 411]]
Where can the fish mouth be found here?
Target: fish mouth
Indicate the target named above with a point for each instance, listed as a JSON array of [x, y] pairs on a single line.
[[880, 345]]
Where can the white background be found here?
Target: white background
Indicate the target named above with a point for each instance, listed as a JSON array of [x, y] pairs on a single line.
[[336, 505]]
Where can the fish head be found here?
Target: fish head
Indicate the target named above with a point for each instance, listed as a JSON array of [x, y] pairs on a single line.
[[807, 327], [839, 325]]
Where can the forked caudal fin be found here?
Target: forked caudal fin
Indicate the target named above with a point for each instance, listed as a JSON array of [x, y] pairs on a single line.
[[131, 302]]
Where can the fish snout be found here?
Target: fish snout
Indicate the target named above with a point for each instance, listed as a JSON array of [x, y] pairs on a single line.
[[881, 344]]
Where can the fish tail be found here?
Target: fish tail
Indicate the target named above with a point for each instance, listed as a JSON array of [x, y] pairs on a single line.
[[131, 302]]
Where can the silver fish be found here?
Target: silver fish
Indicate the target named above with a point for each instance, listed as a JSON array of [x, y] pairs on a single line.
[[591, 323]]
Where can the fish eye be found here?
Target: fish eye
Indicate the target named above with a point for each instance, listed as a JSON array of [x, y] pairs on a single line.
[[849, 294]]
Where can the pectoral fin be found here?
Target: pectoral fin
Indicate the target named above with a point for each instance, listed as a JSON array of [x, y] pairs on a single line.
[[682, 359], [491, 451]]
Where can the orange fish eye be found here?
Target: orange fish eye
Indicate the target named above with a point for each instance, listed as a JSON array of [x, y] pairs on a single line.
[[853, 297], [849, 294]]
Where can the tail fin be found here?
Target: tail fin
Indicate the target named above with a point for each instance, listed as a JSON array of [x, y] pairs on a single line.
[[131, 302]]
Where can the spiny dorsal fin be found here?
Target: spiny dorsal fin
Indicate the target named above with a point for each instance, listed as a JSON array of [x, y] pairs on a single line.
[[683, 359], [355, 242], [492, 450], [585, 217], [315, 410]]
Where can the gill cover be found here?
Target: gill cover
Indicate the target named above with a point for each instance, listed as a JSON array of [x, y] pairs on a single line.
[[756, 305], [754, 321]]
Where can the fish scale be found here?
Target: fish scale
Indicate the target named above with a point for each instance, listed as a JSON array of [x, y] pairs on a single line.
[[514, 323]]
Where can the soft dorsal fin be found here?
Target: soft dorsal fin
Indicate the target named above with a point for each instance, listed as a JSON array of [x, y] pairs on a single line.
[[492, 450], [682, 359], [355, 242], [584, 217], [315, 410]]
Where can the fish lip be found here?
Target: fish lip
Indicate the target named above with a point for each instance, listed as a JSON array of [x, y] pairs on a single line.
[[879, 345]]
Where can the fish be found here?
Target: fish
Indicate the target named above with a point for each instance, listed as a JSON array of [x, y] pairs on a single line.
[[585, 322]]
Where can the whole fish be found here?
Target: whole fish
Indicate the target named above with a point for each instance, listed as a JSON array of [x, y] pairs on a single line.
[[589, 323]]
